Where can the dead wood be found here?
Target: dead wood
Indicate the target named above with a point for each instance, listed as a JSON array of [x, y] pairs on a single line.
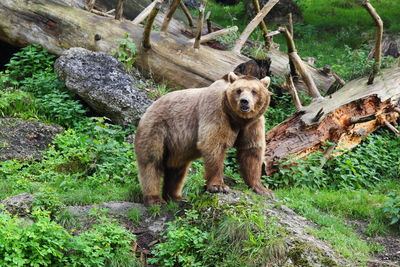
[[299, 65], [344, 118], [267, 38], [170, 59], [168, 17], [120, 10], [187, 13], [208, 20], [149, 25], [293, 92], [143, 15], [202, 7], [378, 43], [290, 24], [211, 36], [252, 25], [90, 5]]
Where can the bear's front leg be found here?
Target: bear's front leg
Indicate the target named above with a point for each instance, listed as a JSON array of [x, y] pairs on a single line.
[[214, 167], [250, 146]]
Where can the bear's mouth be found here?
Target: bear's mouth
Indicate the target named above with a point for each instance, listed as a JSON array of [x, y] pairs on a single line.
[[245, 109]]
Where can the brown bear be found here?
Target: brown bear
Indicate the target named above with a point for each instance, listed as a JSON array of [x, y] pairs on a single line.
[[184, 125]]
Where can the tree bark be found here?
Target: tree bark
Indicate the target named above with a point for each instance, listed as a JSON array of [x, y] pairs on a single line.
[[345, 117], [171, 59]]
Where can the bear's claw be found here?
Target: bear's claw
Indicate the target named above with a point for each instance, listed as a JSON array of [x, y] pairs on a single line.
[[261, 190], [221, 188], [149, 201]]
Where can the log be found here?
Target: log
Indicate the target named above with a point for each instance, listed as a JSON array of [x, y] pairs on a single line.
[[171, 59], [345, 117], [267, 38]]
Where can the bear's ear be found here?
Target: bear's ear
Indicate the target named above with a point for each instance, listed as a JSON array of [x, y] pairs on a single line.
[[232, 77], [266, 81]]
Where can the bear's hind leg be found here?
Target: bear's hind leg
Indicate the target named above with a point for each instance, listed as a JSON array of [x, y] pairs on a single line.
[[150, 176], [174, 179]]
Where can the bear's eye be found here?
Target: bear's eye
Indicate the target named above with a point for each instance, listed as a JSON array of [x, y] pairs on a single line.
[[239, 91], [254, 92]]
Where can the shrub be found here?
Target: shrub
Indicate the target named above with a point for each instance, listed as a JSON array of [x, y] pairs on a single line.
[[392, 208], [45, 243], [27, 62]]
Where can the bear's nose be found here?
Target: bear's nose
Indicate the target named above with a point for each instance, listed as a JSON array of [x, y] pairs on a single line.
[[244, 101]]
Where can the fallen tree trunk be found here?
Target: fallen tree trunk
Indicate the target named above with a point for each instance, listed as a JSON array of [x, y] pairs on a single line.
[[344, 118], [58, 26]]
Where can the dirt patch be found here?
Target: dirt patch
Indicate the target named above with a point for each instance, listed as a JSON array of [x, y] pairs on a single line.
[[390, 255], [25, 139]]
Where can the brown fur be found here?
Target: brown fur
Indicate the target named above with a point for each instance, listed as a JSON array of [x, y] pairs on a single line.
[[205, 122]]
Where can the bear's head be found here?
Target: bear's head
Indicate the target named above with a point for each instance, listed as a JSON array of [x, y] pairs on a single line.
[[247, 96]]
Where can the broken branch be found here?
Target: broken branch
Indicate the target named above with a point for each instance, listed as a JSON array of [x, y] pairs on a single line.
[[378, 43], [293, 92], [187, 13], [208, 22], [299, 65], [252, 25], [149, 25], [392, 128], [290, 24], [199, 25], [211, 36], [120, 10], [168, 17], [143, 15], [267, 38], [90, 5]]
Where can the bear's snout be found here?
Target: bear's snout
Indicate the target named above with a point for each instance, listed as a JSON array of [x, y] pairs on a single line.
[[244, 102], [244, 105]]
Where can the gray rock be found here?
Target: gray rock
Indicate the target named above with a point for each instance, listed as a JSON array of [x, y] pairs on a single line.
[[25, 139], [102, 82], [278, 14], [19, 204]]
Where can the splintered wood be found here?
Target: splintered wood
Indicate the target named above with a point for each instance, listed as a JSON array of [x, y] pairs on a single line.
[[343, 118]]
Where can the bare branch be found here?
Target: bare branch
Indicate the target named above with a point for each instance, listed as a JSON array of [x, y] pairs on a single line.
[[290, 24], [110, 11], [293, 92], [120, 10], [299, 65], [143, 15], [90, 5], [392, 128], [211, 36], [187, 13], [338, 79], [199, 25], [252, 25], [95, 11], [267, 38], [168, 17], [149, 25], [208, 22], [378, 43]]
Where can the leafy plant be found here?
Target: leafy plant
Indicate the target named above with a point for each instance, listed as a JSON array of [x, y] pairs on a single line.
[[126, 52], [392, 208], [184, 243], [27, 62]]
